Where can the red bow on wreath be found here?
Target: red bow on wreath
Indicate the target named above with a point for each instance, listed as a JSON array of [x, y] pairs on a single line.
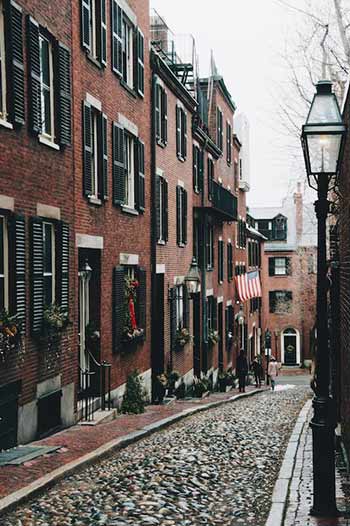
[[132, 313]]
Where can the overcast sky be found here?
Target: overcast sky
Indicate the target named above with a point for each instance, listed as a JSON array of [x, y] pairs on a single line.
[[247, 39]]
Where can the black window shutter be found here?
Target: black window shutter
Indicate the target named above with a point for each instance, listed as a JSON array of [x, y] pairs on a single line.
[[37, 279], [140, 63], [158, 209], [103, 33], [227, 328], [165, 210], [272, 301], [34, 76], [16, 231], [173, 320], [118, 165], [229, 262], [141, 176], [178, 216], [210, 177], [221, 131], [62, 265], [215, 313], [142, 299], [117, 38], [87, 149], [186, 307], [178, 131], [164, 116], [271, 266], [195, 168], [288, 266], [289, 295], [184, 137], [64, 95], [102, 140], [184, 216], [15, 71], [118, 298], [158, 111], [85, 24], [200, 170]]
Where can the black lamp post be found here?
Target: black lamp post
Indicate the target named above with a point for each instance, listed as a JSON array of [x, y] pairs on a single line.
[[267, 353], [323, 140], [193, 279]]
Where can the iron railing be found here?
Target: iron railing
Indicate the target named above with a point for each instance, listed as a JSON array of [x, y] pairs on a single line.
[[224, 202], [88, 394]]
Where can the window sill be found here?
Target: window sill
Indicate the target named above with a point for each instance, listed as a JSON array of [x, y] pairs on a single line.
[[129, 210], [210, 269], [161, 242], [94, 61], [6, 124], [181, 159], [181, 245], [161, 143], [130, 90], [94, 200], [47, 142]]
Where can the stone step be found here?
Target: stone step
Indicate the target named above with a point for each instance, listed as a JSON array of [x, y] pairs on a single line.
[[100, 417]]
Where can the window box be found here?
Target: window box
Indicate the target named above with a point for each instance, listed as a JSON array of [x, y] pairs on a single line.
[[11, 343], [183, 337]]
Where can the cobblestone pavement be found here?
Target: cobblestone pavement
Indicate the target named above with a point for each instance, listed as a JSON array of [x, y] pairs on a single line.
[[301, 488], [214, 468]]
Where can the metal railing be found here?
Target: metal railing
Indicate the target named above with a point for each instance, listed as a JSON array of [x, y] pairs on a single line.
[[224, 202], [87, 393]]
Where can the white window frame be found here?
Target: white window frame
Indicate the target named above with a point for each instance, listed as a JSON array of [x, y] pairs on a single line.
[[5, 275], [128, 49], [3, 112], [280, 269], [179, 306], [129, 144], [92, 29], [210, 247], [53, 259], [50, 136]]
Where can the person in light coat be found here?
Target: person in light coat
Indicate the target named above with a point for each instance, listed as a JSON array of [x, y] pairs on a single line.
[[273, 371]]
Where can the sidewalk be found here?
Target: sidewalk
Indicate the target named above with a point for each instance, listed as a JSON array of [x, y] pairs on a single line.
[[292, 496], [79, 445]]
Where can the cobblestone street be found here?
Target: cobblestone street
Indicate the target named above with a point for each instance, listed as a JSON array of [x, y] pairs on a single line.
[[215, 468]]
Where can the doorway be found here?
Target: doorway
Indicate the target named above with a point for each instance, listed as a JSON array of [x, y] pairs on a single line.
[[221, 338], [196, 335], [290, 347]]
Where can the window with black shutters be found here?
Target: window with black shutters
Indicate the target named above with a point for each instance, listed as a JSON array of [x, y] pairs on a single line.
[[210, 177], [181, 216], [49, 246], [181, 133], [228, 143], [220, 261], [219, 129], [279, 266], [94, 29], [235, 175], [280, 301], [161, 109], [229, 261], [3, 102], [242, 234], [49, 69], [4, 266], [279, 228], [229, 325], [210, 247], [162, 210], [95, 154]]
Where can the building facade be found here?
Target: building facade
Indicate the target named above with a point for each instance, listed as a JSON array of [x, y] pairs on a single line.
[[289, 277]]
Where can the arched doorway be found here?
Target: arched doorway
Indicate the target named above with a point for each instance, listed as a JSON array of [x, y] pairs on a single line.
[[290, 354]]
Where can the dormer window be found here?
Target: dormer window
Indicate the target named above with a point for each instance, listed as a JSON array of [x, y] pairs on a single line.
[[279, 228]]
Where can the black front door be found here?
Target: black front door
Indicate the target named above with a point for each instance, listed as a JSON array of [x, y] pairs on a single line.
[[290, 350], [158, 328], [9, 415], [221, 337], [196, 335]]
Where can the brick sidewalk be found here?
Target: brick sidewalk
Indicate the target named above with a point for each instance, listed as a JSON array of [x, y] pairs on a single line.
[[79, 441], [300, 490]]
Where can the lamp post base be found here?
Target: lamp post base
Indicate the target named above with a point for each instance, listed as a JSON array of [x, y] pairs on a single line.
[[323, 445]]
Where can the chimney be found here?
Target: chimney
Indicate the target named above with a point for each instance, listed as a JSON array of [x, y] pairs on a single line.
[[298, 201]]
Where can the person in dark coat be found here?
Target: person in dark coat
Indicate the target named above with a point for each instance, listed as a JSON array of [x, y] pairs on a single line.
[[256, 368], [242, 370]]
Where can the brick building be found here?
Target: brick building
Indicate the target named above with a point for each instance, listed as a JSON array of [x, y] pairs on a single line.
[[36, 218], [289, 276], [111, 86]]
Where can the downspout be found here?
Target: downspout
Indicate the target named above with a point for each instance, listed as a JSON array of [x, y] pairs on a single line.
[[204, 223], [153, 224]]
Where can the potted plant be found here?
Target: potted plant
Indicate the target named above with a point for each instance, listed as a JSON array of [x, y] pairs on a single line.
[[183, 337], [200, 386], [213, 337], [222, 381], [55, 320], [10, 334], [173, 377], [160, 386]]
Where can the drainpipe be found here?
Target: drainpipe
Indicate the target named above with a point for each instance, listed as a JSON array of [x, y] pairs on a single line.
[[153, 223]]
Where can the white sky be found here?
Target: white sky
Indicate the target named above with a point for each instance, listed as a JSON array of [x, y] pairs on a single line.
[[246, 37]]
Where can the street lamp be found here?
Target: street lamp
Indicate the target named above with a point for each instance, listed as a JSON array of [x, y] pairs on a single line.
[[322, 139], [267, 353], [192, 279]]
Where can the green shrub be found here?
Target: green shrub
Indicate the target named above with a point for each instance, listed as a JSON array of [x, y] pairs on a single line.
[[133, 398]]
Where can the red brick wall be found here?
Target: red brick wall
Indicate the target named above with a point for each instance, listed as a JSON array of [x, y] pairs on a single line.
[[31, 172], [121, 232]]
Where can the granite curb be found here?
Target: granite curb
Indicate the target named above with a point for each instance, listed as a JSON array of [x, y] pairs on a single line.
[[281, 489], [12, 500]]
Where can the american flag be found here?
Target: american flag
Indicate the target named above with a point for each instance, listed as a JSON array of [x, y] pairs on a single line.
[[248, 285]]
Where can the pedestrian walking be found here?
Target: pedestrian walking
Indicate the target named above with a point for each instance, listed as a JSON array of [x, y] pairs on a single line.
[[256, 368], [242, 370], [273, 371]]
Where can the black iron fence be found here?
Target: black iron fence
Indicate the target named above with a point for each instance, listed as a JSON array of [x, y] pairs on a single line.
[[88, 395]]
